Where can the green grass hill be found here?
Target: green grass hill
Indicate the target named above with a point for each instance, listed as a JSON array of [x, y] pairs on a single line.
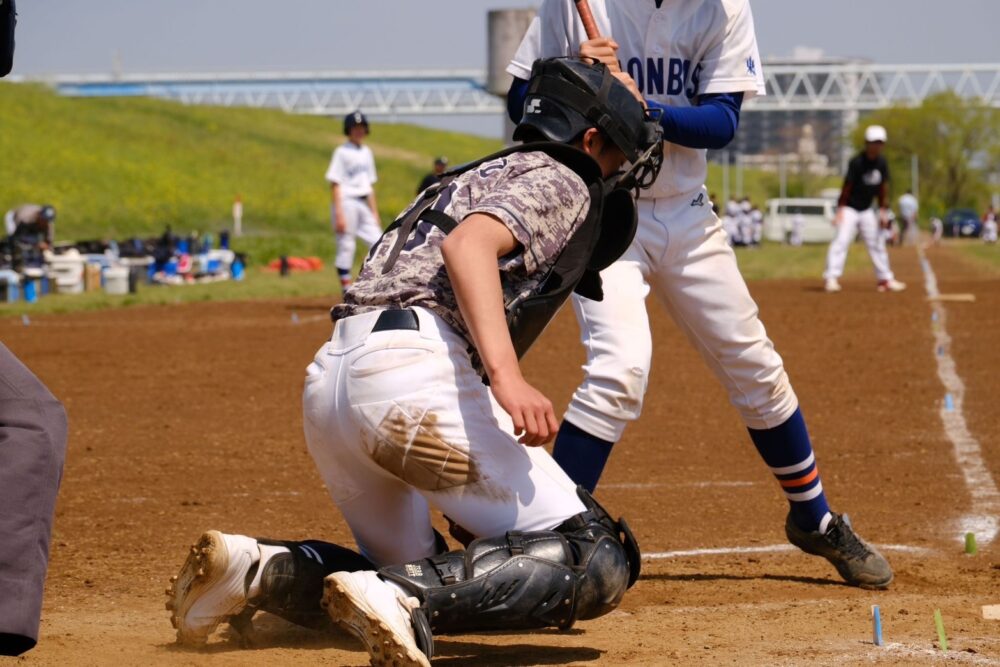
[[123, 167]]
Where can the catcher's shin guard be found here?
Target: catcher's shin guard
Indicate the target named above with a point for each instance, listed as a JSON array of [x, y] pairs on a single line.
[[579, 570], [291, 584]]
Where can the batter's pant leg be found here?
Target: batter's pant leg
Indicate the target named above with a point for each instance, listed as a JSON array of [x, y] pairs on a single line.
[[32, 452], [699, 283], [615, 334], [836, 256], [871, 234]]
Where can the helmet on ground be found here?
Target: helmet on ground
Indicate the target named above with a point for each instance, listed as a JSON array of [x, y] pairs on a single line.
[[567, 96], [353, 119]]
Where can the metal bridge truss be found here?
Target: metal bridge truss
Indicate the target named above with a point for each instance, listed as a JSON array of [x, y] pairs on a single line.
[[862, 87], [835, 87], [323, 93]]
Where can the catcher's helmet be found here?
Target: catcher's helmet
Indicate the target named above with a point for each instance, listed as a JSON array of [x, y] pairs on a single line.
[[48, 213], [356, 118], [567, 96]]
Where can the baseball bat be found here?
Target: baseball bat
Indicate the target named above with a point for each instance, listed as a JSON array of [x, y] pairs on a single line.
[[587, 16]]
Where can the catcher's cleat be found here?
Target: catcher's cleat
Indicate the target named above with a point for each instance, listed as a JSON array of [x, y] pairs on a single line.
[[859, 563], [378, 614], [211, 586]]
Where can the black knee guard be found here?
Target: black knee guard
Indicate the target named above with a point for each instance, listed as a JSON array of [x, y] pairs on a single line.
[[579, 570]]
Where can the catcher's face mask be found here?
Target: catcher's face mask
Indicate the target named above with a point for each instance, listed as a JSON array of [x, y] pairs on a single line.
[[568, 95]]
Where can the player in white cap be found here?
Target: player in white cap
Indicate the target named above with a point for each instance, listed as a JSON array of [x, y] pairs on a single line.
[[867, 178], [352, 179]]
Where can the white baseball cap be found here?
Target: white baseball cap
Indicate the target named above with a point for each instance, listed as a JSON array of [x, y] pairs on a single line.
[[875, 133]]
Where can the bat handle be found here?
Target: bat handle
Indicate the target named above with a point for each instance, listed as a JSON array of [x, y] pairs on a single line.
[[587, 16]]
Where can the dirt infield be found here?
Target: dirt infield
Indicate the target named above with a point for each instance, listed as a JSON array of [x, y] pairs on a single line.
[[184, 418]]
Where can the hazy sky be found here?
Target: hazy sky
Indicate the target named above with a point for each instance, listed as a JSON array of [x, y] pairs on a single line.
[[69, 36]]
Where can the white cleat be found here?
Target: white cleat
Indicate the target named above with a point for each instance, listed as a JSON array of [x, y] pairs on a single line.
[[832, 285], [890, 286], [211, 585], [378, 614]]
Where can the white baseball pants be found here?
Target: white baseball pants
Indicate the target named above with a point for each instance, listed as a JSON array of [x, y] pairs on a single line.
[[852, 222], [361, 223], [397, 421], [681, 251]]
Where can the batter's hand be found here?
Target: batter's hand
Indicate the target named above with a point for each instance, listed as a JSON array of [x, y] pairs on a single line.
[[534, 419], [629, 83], [603, 49]]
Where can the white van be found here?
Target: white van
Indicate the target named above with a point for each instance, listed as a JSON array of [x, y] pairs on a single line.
[[818, 215]]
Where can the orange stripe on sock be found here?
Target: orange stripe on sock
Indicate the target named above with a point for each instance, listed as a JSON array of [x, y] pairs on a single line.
[[801, 481]]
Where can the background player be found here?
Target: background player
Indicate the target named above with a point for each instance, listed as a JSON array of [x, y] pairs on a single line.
[[440, 164], [990, 226], [398, 418], [867, 178], [694, 61], [908, 209], [352, 179]]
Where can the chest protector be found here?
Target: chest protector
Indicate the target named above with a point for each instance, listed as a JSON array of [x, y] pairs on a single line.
[[600, 239]]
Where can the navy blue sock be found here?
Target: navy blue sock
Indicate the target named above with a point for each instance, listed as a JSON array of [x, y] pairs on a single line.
[[581, 456], [786, 449]]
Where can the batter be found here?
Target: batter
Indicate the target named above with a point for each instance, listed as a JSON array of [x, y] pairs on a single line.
[[695, 62]]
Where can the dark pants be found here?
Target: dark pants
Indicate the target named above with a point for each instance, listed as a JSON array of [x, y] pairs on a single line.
[[32, 451]]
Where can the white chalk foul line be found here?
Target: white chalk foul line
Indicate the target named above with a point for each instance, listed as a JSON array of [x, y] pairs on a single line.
[[982, 488], [763, 549], [656, 485]]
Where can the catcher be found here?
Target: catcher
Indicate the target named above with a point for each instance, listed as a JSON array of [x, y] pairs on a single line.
[[399, 418]]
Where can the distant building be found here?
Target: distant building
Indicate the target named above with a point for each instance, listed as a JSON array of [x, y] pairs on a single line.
[[805, 158], [773, 133]]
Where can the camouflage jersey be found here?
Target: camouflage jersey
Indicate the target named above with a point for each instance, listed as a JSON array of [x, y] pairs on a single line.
[[539, 200]]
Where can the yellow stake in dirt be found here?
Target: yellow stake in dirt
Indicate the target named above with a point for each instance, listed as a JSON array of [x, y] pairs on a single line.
[[939, 622]]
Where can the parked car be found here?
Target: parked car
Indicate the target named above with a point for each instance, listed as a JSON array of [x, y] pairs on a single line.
[[962, 223], [817, 214]]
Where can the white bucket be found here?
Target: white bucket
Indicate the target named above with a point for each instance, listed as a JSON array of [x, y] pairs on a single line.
[[116, 280]]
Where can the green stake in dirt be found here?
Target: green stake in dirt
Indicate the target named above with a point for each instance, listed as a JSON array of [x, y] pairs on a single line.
[[939, 622], [970, 544]]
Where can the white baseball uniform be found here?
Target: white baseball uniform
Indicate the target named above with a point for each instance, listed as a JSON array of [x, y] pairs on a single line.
[[352, 168], [757, 224], [675, 51], [865, 177], [990, 228], [400, 419], [908, 208]]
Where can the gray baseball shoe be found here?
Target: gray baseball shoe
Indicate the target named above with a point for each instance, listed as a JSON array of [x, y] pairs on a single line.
[[858, 562]]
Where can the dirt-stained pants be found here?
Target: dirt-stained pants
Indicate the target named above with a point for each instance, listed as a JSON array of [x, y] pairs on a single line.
[[398, 421]]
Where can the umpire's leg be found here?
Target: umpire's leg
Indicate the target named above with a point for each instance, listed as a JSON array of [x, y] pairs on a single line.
[[32, 451]]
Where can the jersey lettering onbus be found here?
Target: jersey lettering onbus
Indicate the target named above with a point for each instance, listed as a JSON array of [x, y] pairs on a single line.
[[659, 76]]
